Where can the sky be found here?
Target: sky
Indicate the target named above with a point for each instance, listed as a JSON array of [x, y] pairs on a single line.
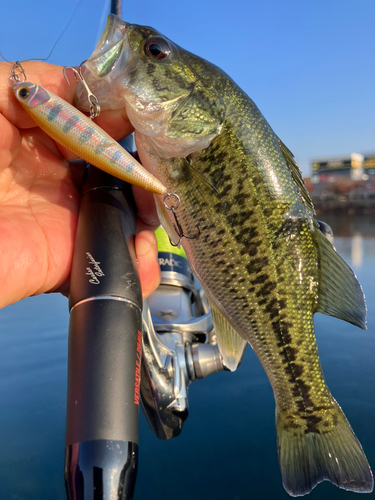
[[308, 65]]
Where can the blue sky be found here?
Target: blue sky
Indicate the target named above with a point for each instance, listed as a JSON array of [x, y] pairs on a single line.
[[308, 65]]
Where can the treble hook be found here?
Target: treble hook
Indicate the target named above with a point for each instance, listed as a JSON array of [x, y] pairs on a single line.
[[177, 227], [15, 76], [93, 101]]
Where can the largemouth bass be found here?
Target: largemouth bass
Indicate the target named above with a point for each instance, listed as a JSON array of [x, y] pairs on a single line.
[[254, 245]]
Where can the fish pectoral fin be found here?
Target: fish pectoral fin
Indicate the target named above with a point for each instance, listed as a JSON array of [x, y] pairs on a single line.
[[340, 294], [308, 458], [200, 114], [231, 345], [166, 222]]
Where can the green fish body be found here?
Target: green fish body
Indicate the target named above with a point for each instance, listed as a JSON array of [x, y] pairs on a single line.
[[250, 236]]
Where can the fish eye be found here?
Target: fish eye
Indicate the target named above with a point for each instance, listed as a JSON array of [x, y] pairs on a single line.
[[24, 92], [157, 48]]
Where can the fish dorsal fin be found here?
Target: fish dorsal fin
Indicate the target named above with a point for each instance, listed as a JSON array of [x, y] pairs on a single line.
[[166, 222], [340, 294], [297, 175], [231, 345]]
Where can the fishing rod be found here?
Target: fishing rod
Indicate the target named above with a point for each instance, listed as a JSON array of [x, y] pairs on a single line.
[[104, 345], [104, 351]]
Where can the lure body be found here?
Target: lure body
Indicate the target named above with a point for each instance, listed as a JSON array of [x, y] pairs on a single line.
[[75, 131]]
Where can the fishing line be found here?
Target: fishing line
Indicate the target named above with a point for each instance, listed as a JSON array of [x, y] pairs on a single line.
[[45, 59], [102, 19]]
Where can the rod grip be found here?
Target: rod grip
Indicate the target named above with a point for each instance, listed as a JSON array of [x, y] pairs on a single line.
[[104, 351]]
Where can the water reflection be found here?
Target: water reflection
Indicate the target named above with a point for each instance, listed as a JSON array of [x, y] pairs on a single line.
[[357, 250], [346, 225], [354, 237]]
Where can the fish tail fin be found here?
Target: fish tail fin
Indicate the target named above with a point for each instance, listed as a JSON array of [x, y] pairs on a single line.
[[308, 458]]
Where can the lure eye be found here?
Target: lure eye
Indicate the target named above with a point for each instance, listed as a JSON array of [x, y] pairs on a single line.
[[157, 48], [23, 93]]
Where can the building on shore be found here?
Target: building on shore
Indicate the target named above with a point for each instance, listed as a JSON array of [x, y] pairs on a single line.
[[369, 166], [346, 182], [328, 170]]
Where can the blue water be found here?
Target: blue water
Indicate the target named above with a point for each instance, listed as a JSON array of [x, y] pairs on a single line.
[[227, 450]]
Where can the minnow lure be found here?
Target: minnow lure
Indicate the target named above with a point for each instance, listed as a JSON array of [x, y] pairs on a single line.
[[75, 131]]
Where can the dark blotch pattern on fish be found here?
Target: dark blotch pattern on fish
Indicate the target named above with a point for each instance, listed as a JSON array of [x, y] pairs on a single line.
[[150, 69], [255, 279]]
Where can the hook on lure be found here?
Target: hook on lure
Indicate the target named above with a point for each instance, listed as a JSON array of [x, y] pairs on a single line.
[[93, 100], [173, 206]]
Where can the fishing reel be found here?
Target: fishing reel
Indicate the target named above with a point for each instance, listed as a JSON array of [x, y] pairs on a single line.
[[179, 342]]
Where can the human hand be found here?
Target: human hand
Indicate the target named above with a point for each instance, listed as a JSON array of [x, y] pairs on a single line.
[[39, 197]]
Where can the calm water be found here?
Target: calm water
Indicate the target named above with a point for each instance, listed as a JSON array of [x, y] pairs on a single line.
[[227, 450]]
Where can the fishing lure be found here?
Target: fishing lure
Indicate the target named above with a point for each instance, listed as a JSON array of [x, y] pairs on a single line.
[[75, 131]]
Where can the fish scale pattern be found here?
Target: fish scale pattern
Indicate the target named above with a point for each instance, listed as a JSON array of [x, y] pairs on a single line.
[[250, 258]]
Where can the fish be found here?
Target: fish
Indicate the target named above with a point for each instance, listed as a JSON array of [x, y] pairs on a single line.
[[246, 223], [72, 129]]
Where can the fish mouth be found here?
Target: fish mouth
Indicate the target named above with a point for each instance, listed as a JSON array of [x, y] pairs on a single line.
[[108, 50], [102, 68]]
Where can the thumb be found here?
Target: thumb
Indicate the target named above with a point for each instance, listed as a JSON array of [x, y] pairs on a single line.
[[146, 250]]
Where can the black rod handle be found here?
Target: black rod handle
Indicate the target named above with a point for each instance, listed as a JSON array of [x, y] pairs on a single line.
[[104, 345]]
